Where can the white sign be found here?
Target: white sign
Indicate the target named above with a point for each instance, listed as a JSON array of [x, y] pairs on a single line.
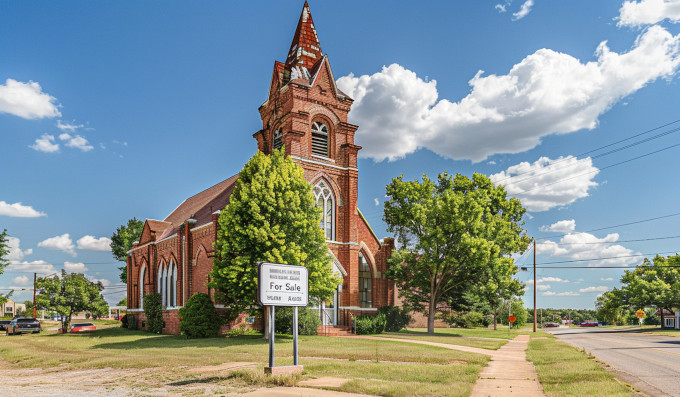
[[282, 285]]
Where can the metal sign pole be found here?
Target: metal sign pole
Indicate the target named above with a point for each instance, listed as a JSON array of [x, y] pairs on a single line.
[[295, 335], [271, 336]]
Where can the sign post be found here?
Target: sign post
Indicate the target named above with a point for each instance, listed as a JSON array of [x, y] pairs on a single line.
[[640, 314], [282, 285]]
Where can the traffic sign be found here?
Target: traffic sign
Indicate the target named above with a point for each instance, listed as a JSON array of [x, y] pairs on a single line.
[[512, 319], [640, 314]]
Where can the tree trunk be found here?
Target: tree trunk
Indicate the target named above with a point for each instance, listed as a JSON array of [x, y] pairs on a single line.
[[266, 321], [430, 316], [495, 321], [663, 325]]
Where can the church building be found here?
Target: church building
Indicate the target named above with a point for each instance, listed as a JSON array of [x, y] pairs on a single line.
[[306, 113]]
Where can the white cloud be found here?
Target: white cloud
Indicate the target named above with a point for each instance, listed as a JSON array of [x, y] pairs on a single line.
[[15, 252], [104, 282], [583, 246], [60, 243], [71, 127], [501, 7], [64, 136], [27, 100], [551, 280], [546, 93], [594, 289], [30, 267], [375, 200], [78, 142], [543, 287], [21, 280], [567, 293], [45, 144], [524, 10], [606, 279], [18, 210], [78, 267], [547, 183], [565, 226], [648, 12], [94, 244]]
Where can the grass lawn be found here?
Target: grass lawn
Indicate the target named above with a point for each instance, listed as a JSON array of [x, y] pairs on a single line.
[[376, 367], [564, 370], [656, 330]]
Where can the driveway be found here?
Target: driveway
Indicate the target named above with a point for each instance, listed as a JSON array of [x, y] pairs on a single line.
[[650, 363]]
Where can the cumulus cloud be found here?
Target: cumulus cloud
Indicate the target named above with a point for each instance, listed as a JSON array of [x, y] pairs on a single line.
[[60, 243], [71, 127], [524, 10], [546, 183], [27, 100], [566, 293], [45, 144], [15, 252], [76, 142], [375, 200], [543, 287], [648, 12], [78, 267], [31, 267], [18, 210], [548, 92], [594, 289], [92, 243], [21, 280], [584, 246], [607, 279], [565, 226], [104, 282]]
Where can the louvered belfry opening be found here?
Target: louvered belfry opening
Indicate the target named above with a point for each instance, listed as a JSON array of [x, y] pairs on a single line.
[[278, 142], [319, 139]]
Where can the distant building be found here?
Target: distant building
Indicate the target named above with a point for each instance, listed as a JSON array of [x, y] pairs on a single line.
[[306, 112], [11, 308]]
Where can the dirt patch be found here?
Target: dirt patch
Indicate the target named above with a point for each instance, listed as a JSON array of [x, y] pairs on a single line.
[[222, 367], [325, 381]]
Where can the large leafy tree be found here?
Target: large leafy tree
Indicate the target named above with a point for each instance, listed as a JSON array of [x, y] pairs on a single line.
[[70, 293], [610, 307], [654, 283], [272, 217], [121, 242], [450, 232]]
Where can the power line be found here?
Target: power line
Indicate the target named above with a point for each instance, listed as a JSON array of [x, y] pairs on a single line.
[[611, 257], [615, 242], [602, 267], [615, 226]]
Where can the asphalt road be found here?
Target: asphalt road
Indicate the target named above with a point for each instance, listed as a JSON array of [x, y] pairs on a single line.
[[650, 363]]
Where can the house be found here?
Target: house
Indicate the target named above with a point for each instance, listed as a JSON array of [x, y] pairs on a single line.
[[11, 308], [307, 113]]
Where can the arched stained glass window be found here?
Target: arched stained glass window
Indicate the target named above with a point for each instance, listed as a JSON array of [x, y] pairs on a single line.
[[277, 141], [141, 286], [319, 139], [324, 200], [365, 283]]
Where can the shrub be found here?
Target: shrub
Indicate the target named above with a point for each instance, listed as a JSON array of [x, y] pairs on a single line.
[[154, 313], [242, 330], [308, 320], [471, 320], [370, 324], [396, 318], [124, 321], [131, 321], [198, 318]]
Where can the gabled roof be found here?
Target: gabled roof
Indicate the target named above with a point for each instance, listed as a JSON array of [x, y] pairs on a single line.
[[202, 205]]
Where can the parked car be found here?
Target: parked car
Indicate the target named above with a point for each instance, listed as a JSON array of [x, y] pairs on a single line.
[[589, 324], [23, 325], [551, 325], [81, 327], [4, 324]]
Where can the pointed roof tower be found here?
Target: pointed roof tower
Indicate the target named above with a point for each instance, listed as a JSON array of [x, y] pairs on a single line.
[[305, 50]]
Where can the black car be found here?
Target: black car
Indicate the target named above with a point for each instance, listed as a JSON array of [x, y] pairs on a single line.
[[4, 324], [23, 326]]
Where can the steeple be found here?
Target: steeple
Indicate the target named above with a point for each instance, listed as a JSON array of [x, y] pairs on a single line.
[[305, 49]]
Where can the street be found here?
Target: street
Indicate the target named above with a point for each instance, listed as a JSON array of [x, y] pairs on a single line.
[[650, 363]]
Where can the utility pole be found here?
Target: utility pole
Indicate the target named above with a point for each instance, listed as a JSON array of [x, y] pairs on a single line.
[[534, 285], [35, 279]]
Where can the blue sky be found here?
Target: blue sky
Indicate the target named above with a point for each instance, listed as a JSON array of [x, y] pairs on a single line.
[[116, 110]]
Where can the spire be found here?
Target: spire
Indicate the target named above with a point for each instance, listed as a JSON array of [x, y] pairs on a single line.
[[305, 49]]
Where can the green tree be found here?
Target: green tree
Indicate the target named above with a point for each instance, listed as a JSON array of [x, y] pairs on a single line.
[[198, 318], [70, 293], [122, 302], [121, 242], [654, 284], [4, 251], [610, 308], [449, 232], [271, 217]]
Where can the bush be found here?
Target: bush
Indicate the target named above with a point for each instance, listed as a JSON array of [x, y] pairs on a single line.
[[241, 331], [369, 324], [153, 308], [131, 321], [396, 318], [124, 321], [471, 320], [308, 320], [198, 318]]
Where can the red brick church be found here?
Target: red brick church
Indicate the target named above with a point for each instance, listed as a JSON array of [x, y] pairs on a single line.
[[306, 112]]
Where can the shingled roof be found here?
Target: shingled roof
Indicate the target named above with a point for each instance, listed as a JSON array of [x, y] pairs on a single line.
[[202, 205]]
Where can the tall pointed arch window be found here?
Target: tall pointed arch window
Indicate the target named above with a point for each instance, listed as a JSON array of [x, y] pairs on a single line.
[[365, 283], [159, 281], [141, 286], [277, 140], [172, 287], [319, 139], [324, 200]]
